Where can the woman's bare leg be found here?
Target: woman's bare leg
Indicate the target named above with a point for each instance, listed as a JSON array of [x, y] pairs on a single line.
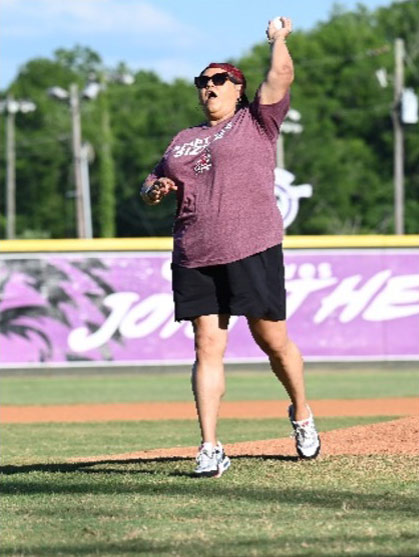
[[285, 359], [208, 382]]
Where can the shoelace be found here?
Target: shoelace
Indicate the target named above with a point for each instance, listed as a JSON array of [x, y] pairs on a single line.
[[203, 455], [305, 433]]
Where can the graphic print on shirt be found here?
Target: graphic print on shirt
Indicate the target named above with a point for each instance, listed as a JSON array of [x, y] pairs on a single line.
[[204, 163], [198, 146]]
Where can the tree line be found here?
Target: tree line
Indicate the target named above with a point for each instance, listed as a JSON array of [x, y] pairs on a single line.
[[345, 150]]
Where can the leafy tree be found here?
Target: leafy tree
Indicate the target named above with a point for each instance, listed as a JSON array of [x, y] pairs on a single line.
[[43, 154], [81, 60]]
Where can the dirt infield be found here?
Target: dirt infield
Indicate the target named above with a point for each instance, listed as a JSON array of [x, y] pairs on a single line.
[[389, 438], [399, 436], [186, 410]]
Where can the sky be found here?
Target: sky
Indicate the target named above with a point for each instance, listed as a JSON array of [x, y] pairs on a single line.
[[175, 38]]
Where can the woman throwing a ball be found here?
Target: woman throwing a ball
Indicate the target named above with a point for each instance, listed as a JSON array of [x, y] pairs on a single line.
[[227, 256]]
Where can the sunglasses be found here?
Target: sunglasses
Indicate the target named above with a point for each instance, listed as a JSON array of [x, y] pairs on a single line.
[[218, 79]]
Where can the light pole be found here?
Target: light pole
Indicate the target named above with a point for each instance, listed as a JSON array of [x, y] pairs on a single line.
[[290, 125], [87, 155], [11, 107], [82, 155], [83, 212], [398, 169], [404, 112], [77, 160]]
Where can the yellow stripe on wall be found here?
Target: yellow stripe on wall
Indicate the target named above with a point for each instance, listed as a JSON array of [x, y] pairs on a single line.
[[165, 244], [352, 241], [96, 244]]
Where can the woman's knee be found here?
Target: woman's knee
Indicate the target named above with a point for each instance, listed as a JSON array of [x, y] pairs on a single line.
[[275, 347], [210, 339], [273, 340], [208, 345]]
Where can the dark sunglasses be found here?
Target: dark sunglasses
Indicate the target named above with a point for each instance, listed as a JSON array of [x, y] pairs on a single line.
[[218, 79]]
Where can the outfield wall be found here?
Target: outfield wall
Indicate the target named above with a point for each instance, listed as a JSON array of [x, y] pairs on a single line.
[[109, 302]]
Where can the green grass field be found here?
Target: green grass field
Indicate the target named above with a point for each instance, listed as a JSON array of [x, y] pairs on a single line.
[[176, 387], [357, 506]]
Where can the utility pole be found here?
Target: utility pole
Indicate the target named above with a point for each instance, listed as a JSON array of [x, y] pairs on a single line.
[[398, 156], [289, 125], [10, 170], [77, 159], [280, 162], [83, 153], [106, 168], [86, 157], [10, 107]]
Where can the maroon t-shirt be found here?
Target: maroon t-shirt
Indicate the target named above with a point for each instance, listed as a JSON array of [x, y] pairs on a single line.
[[226, 207]]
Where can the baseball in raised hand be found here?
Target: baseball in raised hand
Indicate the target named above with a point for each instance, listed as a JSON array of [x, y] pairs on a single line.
[[279, 27]]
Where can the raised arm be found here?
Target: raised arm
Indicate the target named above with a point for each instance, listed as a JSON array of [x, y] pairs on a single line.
[[281, 72]]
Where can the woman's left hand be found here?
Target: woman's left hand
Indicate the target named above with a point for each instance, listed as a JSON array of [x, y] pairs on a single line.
[[155, 191], [273, 32]]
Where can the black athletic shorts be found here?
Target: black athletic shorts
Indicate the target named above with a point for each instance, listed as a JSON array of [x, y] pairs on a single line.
[[253, 286]]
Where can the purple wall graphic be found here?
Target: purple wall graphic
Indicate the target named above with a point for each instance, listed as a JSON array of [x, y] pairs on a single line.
[[117, 307]]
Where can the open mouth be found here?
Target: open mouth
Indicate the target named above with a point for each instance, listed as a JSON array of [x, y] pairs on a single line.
[[212, 95]]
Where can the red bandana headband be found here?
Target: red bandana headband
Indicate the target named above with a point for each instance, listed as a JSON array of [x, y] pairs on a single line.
[[229, 68]]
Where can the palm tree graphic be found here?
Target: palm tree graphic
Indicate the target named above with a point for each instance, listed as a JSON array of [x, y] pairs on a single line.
[[47, 279]]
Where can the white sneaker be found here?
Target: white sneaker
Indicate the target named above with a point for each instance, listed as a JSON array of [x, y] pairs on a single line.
[[222, 459], [307, 440], [211, 461]]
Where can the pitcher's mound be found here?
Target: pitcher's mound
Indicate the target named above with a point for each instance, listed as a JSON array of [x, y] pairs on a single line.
[[388, 438]]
